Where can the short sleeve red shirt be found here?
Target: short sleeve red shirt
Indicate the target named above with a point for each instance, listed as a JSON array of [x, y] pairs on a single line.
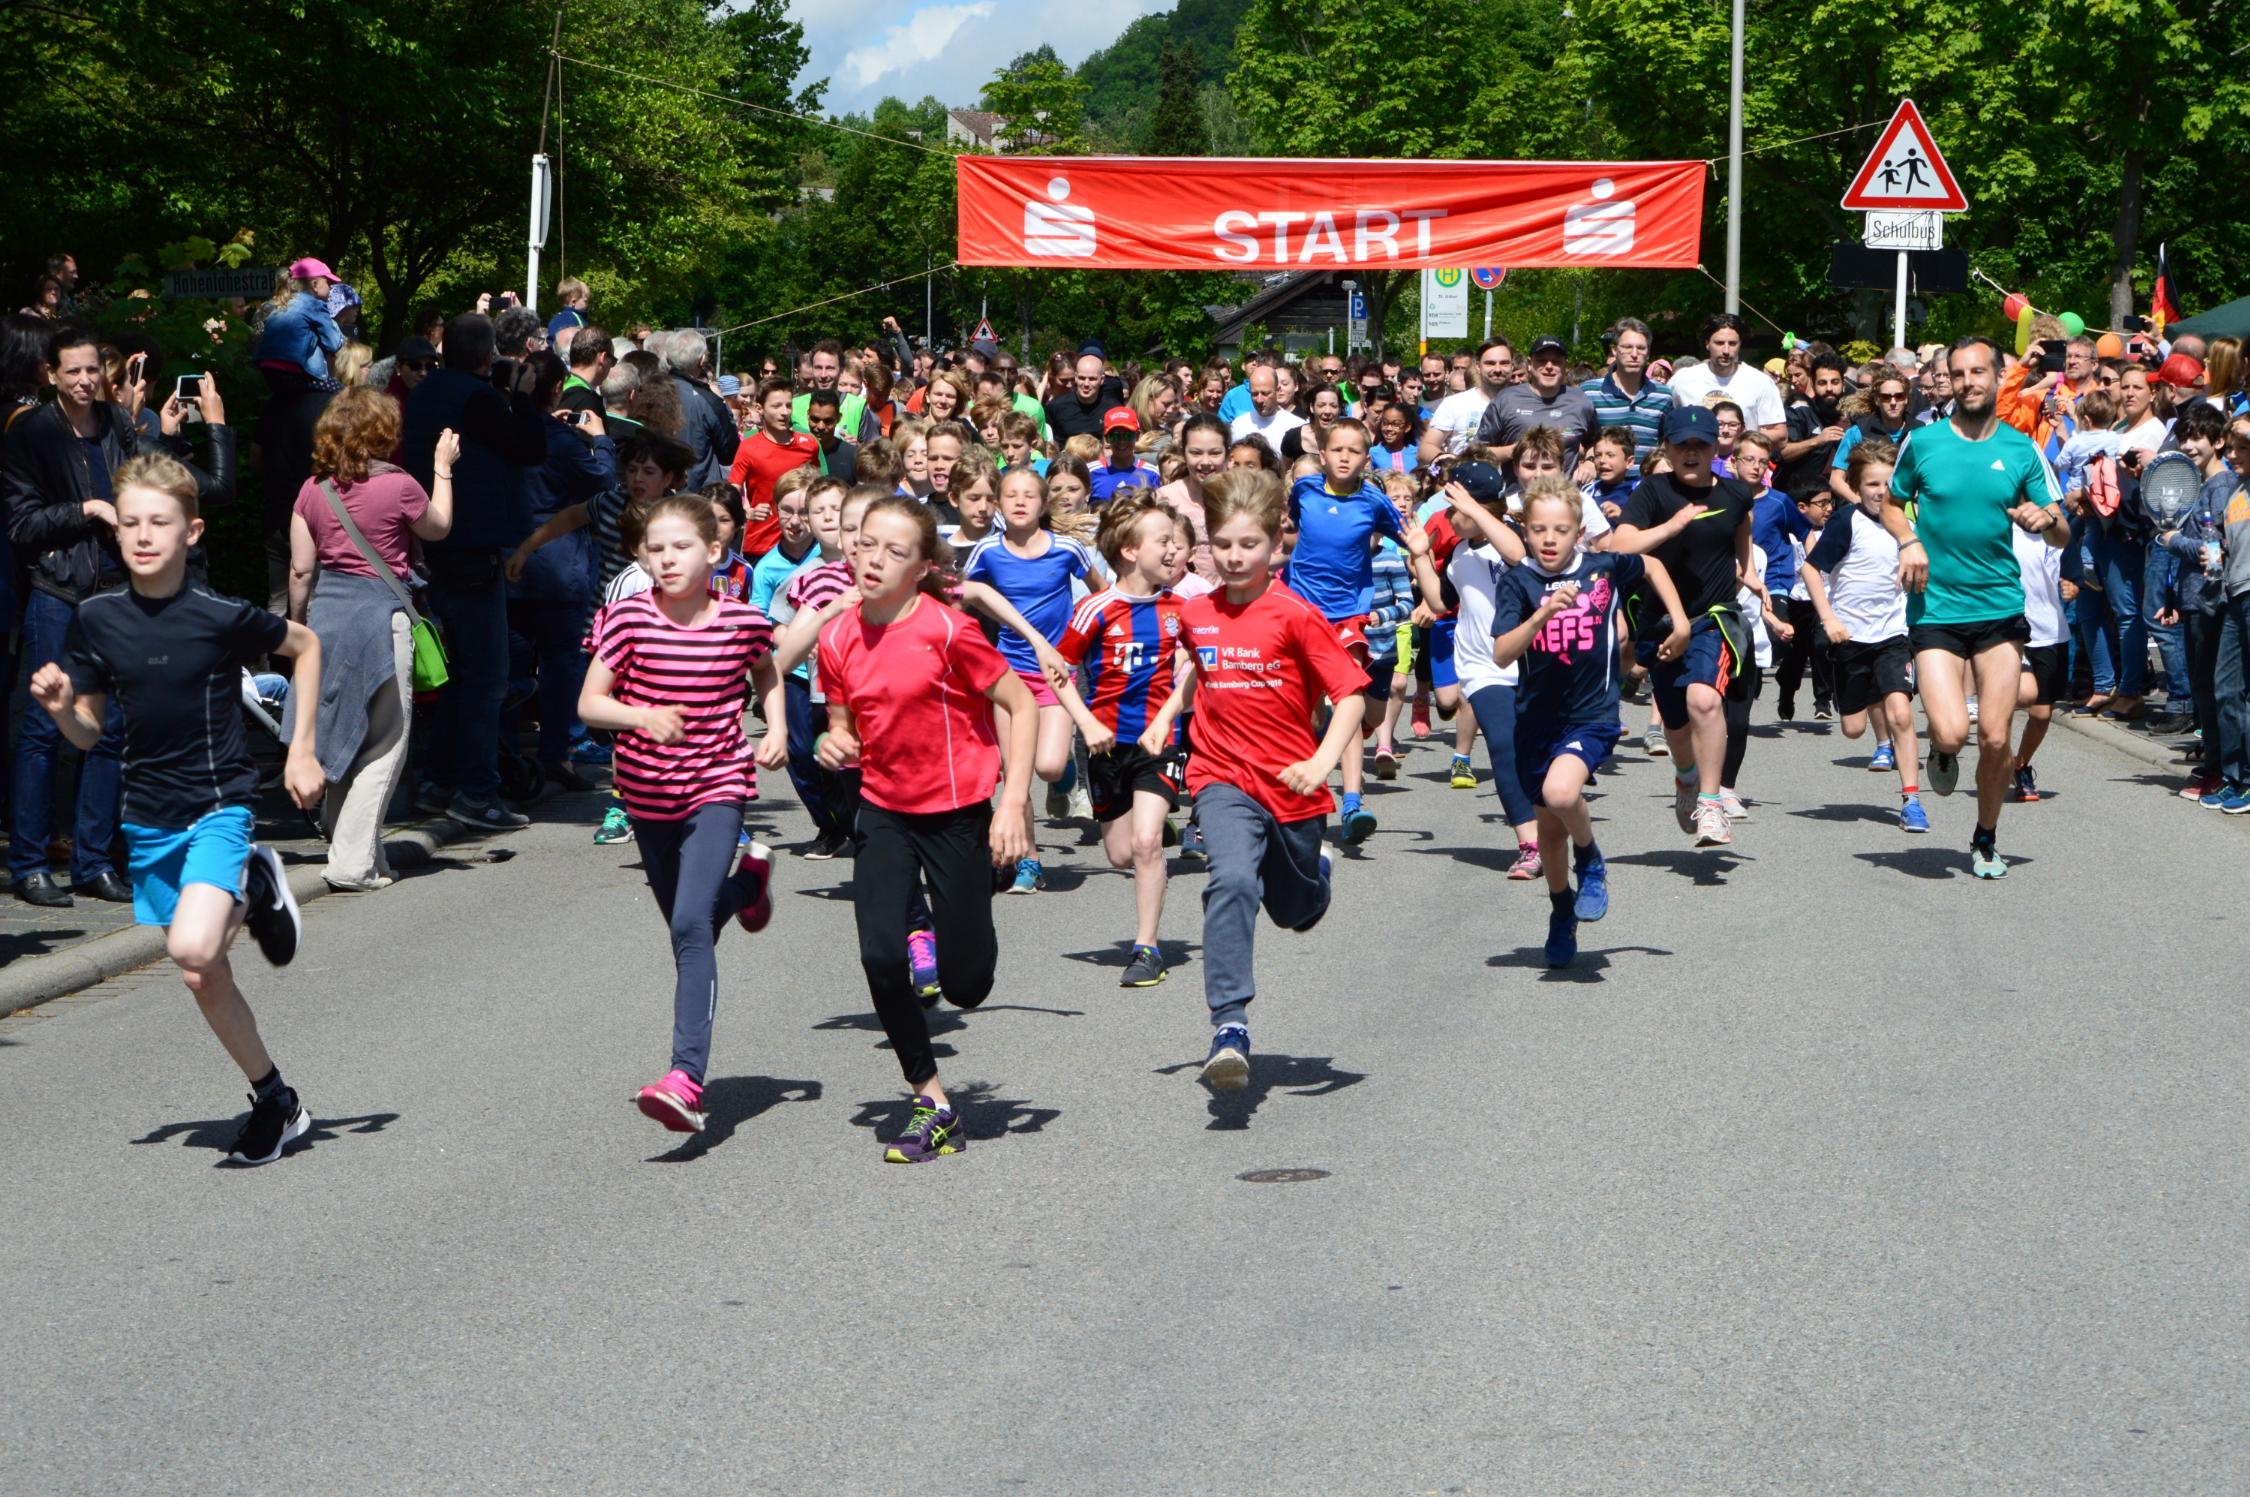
[[1262, 668], [758, 462], [916, 690]]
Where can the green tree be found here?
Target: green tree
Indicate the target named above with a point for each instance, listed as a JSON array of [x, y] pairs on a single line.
[[1042, 105], [1176, 127]]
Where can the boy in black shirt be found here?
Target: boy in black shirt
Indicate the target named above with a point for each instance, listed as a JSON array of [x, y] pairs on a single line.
[[1698, 525], [173, 653]]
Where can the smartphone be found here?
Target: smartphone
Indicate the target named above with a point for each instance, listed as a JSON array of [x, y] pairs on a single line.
[[2052, 353], [189, 389]]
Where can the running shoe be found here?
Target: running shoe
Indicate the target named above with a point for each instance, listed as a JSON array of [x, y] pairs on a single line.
[[1884, 760], [1562, 935], [1735, 807], [431, 799], [1786, 709], [2200, 786], [1463, 777], [2027, 785], [616, 826], [1711, 828], [272, 914], [921, 966], [1191, 842], [1421, 717], [1030, 878], [1359, 824], [2236, 802], [1972, 709], [931, 1133], [1655, 744], [757, 860], [1945, 772], [676, 1102], [1386, 762], [1227, 1067], [484, 816], [1985, 861], [1593, 889], [1058, 803], [586, 751], [1683, 803], [824, 847], [2216, 798], [1526, 865], [1145, 970], [274, 1124], [1081, 802], [1911, 816], [1823, 712]]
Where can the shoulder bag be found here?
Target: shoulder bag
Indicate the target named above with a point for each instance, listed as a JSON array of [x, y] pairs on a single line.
[[429, 650]]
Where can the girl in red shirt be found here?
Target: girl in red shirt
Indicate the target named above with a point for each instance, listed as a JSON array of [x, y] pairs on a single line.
[[911, 686], [668, 677]]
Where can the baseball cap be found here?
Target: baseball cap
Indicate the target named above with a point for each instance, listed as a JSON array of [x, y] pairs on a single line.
[[340, 296], [415, 350], [1777, 367], [1093, 348], [2182, 369], [984, 348], [1692, 423], [1120, 418], [730, 385], [307, 268], [1482, 480], [1547, 343]]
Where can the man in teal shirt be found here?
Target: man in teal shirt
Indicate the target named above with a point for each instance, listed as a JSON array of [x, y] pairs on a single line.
[[1957, 488]]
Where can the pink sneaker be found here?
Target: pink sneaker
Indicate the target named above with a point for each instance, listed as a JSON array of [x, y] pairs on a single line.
[[1526, 865], [757, 858], [676, 1102]]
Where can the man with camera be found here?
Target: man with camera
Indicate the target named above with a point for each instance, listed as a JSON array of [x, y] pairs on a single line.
[[503, 442], [2038, 396]]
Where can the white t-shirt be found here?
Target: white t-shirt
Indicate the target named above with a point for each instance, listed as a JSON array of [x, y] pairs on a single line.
[[1457, 416], [1273, 428], [1863, 590], [1754, 613], [2148, 436], [2041, 565], [1752, 389], [1475, 572]]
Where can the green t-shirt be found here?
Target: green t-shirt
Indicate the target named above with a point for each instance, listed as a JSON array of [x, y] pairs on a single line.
[[1033, 409], [848, 415], [1960, 492]]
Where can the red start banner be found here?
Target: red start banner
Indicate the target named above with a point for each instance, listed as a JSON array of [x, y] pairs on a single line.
[[1191, 213]]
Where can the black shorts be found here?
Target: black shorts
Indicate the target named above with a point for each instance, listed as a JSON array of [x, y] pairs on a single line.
[[1867, 673], [1113, 776], [1970, 640], [2049, 667]]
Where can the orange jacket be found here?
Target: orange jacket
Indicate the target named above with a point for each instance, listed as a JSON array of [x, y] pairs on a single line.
[[2028, 413]]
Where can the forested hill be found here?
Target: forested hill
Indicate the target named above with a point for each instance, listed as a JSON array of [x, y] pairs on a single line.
[[1121, 78]]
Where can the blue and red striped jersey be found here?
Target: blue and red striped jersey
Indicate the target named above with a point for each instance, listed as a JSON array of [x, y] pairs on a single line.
[[1126, 645]]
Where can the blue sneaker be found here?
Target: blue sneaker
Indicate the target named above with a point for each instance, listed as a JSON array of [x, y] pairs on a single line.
[[1359, 825], [1562, 935], [1191, 842], [2217, 796], [1884, 761], [2236, 801], [587, 751], [1911, 816], [1030, 877], [1227, 1068], [1593, 890]]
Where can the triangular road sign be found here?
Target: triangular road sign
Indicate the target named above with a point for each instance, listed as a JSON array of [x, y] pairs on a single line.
[[1905, 170], [984, 333]]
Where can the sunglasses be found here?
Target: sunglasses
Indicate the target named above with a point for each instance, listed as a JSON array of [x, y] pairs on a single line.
[[420, 366]]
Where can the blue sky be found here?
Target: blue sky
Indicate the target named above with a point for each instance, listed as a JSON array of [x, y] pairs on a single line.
[[869, 48]]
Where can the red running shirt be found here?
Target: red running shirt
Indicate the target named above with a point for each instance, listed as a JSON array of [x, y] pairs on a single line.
[[705, 673], [1262, 668], [916, 690], [758, 463]]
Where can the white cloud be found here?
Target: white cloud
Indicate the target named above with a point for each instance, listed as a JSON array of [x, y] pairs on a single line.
[[922, 35]]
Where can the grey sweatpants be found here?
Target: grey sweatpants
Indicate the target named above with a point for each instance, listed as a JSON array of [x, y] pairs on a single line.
[[691, 868], [1254, 860]]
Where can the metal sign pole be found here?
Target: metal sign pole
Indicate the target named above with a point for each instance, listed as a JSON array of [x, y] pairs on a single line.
[[1898, 315]]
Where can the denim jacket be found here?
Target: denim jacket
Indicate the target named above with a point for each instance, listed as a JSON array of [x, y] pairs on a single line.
[[301, 333]]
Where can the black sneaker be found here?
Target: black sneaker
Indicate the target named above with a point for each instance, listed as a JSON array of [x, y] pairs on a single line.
[[273, 917], [274, 1125], [1145, 970]]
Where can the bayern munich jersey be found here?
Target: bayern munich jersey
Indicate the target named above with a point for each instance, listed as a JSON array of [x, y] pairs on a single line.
[[1126, 645]]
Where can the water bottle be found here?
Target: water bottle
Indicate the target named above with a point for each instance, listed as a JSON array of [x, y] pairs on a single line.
[[2210, 543]]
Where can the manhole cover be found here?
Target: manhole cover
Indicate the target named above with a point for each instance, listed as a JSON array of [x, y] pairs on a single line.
[[1281, 1177]]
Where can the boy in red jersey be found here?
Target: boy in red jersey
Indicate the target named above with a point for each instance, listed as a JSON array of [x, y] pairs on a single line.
[[1259, 660], [1125, 638]]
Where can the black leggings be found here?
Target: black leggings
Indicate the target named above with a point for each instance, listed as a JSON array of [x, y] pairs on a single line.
[[897, 850], [1807, 647], [691, 870], [1739, 696]]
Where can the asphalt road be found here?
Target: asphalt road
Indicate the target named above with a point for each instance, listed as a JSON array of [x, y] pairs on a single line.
[[1828, 1170]]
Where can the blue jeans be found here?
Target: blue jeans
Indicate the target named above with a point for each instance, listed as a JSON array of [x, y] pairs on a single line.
[[2124, 563], [473, 612], [46, 621], [2231, 687], [555, 630], [816, 787], [2170, 648]]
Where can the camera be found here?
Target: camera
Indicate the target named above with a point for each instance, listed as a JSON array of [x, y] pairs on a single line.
[[188, 388]]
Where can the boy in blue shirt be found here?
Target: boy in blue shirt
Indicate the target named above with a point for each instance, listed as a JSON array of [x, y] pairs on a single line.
[[1121, 467], [1556, 614], [1338, 515]]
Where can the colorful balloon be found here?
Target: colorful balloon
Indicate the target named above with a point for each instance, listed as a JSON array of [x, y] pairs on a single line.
[[2072, 324], [2012, 305], [2023, 331]]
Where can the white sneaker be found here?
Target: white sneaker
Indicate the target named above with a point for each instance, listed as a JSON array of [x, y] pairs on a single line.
[[1081, 802], [1711, 826], [1733, 805]]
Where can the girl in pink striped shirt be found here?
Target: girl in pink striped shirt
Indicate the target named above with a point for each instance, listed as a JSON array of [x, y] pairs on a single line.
[[670, 672]]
